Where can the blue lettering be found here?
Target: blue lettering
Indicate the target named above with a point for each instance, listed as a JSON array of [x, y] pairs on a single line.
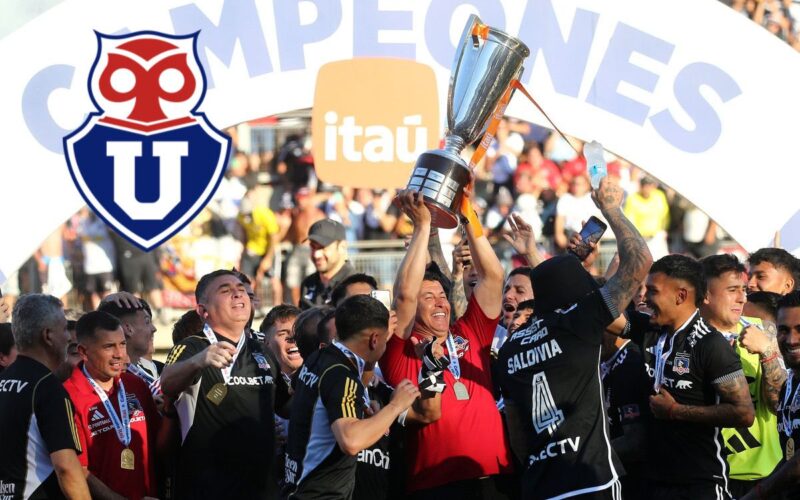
[[440, 16], [238, 22], [708, 126], [616, 68], [369, 20], [541, 32], [34, 105], [294, 36]]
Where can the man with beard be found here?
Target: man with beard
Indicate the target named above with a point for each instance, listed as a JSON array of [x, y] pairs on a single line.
[[785, 481], [329, 254]]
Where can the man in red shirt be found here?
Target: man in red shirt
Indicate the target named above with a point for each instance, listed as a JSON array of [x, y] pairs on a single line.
[[465, 452], [115, 416]]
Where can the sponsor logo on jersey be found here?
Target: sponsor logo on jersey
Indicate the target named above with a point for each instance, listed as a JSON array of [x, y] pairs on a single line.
[[630, 412], [96, 415], [145, 160], [556, 448], [681, 364], [684, 384]]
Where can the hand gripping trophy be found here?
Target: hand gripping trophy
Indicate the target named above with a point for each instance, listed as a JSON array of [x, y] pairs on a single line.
[[486, 64]]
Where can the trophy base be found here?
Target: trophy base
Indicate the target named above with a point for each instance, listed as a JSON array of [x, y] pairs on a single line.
[[441, 178]]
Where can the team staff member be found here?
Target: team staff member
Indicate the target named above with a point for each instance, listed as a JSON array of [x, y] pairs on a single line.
[[698, 386], [549, 369], [139, 331], [755, 451], [328, 426], [785, 481], [115, 416], [329, 254], [226, 390], [38, 453], [445, 460]]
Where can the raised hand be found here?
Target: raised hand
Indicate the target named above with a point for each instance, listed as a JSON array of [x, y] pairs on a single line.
[[521, 237], [219, 355], [608, 196], [410, 202]]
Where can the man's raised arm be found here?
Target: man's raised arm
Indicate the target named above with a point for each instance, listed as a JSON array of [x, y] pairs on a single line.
[[412, 268], [489, 290], [634, 256]]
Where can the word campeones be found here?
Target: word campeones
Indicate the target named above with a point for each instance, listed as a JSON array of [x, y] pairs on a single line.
[[690, 123]]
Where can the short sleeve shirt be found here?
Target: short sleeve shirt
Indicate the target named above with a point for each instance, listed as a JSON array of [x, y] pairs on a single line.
[[227, 447], [98, 437], [624, 389], [432, 448], [315, 293], [550, 372], [697, 358], [36, 418], [327, 389], [789, 424]]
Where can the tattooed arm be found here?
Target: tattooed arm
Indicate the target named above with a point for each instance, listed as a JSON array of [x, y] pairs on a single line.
[[773, 371], [735, 408], [634, 256], [436, 254], [462, 260]]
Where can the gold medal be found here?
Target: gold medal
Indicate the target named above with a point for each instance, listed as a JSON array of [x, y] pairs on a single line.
[[126, 459], [789, 449], [461, 391], [217, 393]]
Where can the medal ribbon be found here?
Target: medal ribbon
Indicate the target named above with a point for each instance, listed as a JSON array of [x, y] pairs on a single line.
[[606, 366], [787, 400], [455, 367], [121, 422], [360, 363], [212, 338], [141, 373], [661, 359]]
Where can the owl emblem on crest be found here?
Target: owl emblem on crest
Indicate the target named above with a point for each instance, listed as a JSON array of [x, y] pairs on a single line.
[[146, 160]]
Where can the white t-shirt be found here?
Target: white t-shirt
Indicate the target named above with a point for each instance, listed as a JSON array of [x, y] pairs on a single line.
[[577, 210], [98, 249]]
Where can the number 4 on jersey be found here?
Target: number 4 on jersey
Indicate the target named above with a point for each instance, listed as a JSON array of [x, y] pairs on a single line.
[[545, 414]]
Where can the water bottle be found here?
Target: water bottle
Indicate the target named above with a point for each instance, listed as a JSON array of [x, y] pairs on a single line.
[[595, 163]]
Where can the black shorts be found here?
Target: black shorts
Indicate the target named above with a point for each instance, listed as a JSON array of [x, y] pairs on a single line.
[[98, 283], [139, 274]]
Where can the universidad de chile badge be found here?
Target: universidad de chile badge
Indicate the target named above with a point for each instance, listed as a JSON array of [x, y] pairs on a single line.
[[146, 161]]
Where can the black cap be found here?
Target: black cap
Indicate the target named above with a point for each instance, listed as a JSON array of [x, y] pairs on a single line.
[[326, 231], [559, 282]]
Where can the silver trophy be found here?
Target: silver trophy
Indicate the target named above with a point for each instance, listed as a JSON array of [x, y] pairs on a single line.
[[483, 69]]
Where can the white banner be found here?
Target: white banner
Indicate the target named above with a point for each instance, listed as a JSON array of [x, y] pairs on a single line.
[[692, 92]]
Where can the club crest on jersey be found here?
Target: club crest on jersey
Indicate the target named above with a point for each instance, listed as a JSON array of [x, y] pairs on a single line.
[[462, 345], [261, 361], [146, 161], [681, 364]]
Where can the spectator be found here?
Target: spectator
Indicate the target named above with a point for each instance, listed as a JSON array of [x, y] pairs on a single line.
[[648, 210], [260, 229], [138, 271], [8, 350], [703, 390], [304, 214], [98, 259], [752, 452], [441, 462], [699, 233], [773, 270], [328, 408], [115, 417], [329, 254], [549, 375], [226, 393], [38, 458], [784, 481]]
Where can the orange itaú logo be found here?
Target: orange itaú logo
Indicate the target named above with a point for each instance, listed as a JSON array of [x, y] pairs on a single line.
[[372, 118]]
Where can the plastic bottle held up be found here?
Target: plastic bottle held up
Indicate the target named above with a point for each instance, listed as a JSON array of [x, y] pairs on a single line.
[[595, 162]]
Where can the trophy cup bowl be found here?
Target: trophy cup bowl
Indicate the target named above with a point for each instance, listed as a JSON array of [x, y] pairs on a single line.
[[482, 70]]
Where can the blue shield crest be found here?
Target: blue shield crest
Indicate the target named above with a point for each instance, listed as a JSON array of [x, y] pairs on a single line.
[[146, 161]]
